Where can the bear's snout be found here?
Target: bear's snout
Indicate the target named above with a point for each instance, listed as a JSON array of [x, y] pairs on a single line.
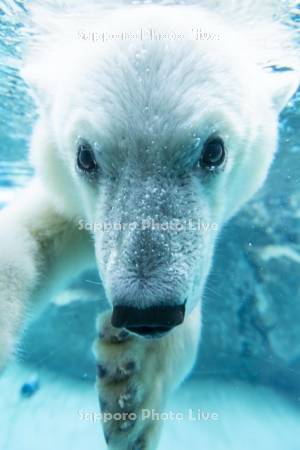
[[153, 321]]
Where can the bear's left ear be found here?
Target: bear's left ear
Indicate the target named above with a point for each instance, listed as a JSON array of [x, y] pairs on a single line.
[[283, 86]]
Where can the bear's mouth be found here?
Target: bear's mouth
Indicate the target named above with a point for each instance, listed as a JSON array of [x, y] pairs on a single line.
[[150, 332]]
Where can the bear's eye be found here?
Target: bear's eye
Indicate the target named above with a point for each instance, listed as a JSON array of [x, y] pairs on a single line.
[[86, 161], [213, 154]]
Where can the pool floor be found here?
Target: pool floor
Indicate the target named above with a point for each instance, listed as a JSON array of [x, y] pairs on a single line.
[[246, 416]]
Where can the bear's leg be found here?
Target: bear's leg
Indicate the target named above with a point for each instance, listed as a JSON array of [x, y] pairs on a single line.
[[39, 250], [136, 376]]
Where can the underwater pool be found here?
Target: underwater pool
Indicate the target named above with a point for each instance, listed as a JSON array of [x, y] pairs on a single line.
[[244, 390]]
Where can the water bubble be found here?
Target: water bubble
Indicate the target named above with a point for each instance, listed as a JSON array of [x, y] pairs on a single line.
[[30, 387]]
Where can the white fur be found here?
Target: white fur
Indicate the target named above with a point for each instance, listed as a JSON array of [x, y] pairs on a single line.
[[147, 107]]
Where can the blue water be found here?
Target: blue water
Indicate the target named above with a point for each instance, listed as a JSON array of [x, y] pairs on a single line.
[[254, 387]]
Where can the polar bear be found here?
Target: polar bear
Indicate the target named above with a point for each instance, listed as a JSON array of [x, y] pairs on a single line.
[[152, 119]]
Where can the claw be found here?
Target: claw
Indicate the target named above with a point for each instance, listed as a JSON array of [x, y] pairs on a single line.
[[124, 399], [126, 424], [123, 372]]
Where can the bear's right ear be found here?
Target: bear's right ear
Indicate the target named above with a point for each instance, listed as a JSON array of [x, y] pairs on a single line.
[[283, 86], [39, 79], [47, 70]]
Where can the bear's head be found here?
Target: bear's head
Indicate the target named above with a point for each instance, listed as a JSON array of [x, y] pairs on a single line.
[[155, 141]]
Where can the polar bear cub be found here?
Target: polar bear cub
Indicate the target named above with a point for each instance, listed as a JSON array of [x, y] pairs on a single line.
[[156, 124]]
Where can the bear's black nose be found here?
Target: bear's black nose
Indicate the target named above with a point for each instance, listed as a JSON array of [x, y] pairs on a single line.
[[152, 321]]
